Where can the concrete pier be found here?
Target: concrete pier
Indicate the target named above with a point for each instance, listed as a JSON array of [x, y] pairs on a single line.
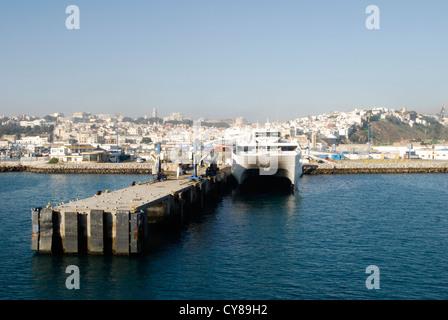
[[118, 222]]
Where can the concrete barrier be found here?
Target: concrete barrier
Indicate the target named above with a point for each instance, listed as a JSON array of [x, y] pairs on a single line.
[[120, 233], [95, 232], [45, 230], [69, 232], [137, 232]]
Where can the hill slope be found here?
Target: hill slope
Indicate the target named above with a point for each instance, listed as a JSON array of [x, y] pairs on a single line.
[[389, 130]]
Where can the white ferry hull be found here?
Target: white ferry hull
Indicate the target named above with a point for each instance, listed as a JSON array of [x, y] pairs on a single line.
[[280, 165]]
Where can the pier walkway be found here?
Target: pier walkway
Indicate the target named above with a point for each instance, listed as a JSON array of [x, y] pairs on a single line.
[[134, 198]]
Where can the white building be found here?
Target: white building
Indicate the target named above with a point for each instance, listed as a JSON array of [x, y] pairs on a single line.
[[60, 151], [175, 116], [81, 115], [432, 154], [35, 140], [32, 123], [4, 144]]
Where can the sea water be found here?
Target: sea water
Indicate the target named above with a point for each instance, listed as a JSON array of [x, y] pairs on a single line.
[[314, 244]]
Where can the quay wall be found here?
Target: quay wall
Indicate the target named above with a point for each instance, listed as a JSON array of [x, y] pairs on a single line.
[[339, 167], [99, 168], [376, 167]]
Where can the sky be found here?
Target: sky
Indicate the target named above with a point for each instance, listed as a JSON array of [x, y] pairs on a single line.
[[221, 59]]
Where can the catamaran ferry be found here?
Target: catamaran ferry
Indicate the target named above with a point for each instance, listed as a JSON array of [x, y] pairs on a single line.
[[265, 154]]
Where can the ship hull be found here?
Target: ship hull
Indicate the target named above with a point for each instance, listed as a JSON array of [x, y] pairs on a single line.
[[286, 166]]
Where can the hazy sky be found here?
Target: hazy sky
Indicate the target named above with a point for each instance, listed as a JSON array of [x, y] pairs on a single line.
[[222, 58]]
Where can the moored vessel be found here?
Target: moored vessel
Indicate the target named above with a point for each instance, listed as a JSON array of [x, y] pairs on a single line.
[[264, 153]]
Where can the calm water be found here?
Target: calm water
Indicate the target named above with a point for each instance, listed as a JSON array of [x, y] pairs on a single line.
[[315, 244]]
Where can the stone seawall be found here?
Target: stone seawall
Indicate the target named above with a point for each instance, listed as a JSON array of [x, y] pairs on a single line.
[[13, 168], [100, 168], [310, 170], [78, 170], [341, 167], [376, 167]]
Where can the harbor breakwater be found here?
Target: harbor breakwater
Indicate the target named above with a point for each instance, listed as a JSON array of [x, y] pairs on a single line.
[[91, 168], [340, 167], [376, 167]]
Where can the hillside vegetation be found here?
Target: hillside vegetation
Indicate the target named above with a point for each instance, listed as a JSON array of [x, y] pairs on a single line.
[[389, 130]]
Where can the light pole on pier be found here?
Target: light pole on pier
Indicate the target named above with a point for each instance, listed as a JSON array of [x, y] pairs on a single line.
[[118, 150]]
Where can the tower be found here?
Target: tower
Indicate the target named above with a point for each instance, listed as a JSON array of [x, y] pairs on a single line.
[[313, 140], [154, 113]]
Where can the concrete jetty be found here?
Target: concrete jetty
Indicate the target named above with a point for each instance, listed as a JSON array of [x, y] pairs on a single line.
[[384, 166], [117, 222]]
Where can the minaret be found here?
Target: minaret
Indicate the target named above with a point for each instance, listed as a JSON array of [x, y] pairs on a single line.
[[154, 112]]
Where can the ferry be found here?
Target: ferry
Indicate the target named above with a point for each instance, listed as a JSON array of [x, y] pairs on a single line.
[[264, 153]]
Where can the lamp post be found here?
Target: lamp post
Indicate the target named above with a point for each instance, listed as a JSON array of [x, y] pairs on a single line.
[[118, 150]]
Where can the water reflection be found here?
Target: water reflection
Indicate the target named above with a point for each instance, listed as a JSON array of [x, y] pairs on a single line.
[[101, 277]]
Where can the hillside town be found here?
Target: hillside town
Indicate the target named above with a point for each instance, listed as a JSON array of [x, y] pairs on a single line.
[[86, 137]]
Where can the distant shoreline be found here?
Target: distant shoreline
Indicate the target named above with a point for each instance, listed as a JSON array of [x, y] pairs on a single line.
[[377, 167], [96, 168], [308, 170], [341, 167]]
